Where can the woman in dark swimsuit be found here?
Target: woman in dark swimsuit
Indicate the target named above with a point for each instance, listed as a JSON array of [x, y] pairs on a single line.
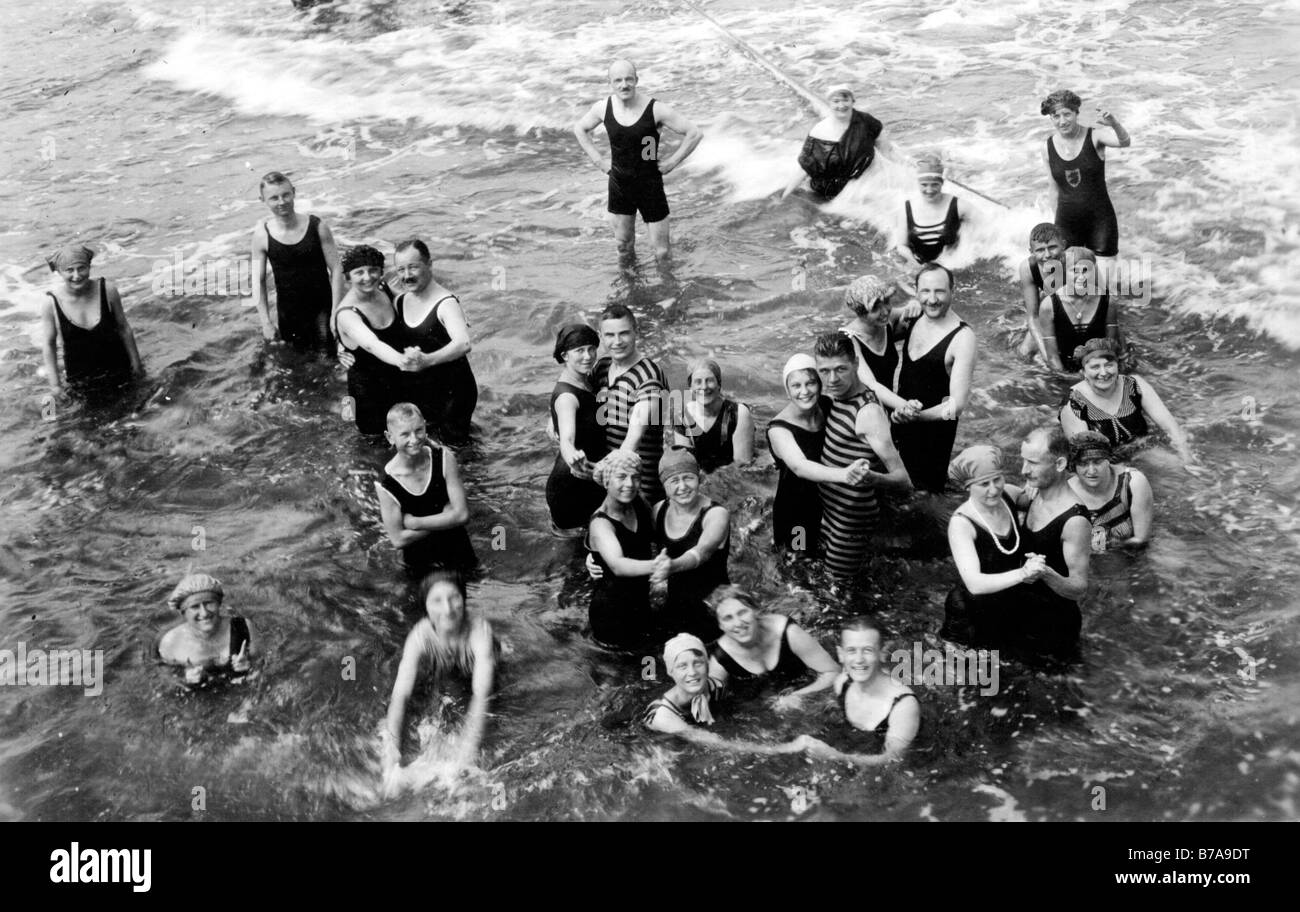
[[1116, 405], [436, 340], [764, 647], [695, 533], [207, 644], [840, 146], [1119, 502], [99, 353], [621, 540], [720, 431], [571, 494], [796, 437], [1079, 311], [875, 332], [870, 699], [367, 327], [1075, 160]]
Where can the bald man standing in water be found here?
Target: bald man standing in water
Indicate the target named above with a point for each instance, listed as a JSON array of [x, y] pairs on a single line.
[[635, 166]]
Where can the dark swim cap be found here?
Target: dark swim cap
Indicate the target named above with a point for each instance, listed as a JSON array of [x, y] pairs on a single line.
[[361, 255], [574, 335]]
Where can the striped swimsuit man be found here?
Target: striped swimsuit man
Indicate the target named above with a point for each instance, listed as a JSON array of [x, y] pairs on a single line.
[[849, 512]]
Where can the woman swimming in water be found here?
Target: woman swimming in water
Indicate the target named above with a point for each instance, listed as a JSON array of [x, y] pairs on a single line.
[[720, 431], [447, 640], [1119, 502], [931, 223], [207, 644], [86, 317], [767, 647], [1116, 405], [688, 704], [839, 147]]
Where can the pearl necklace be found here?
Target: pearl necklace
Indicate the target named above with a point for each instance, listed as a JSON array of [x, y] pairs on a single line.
[[997, 541]]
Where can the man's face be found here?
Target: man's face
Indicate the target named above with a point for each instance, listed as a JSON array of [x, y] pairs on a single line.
[[619, 338], [933, 293], [622, 80], [837, 375], [1036, 464]]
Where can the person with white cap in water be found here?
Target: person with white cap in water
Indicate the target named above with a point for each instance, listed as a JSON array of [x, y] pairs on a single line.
[[840, 147], [686, 708], [931, 223], [206, 643]]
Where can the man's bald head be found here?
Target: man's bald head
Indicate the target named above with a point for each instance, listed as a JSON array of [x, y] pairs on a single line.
[[622, 66]]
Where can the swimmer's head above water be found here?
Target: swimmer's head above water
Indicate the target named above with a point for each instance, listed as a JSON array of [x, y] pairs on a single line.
[[1061, 98], [194, 584], [443, 597], [858, 650]]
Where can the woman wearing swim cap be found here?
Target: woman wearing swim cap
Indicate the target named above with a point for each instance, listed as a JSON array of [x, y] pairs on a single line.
[[764, 648], [720, 431], [875, 332], [207, 644], [796, 437], [839, 147], [621, 542], [931, 222], [87, 318], [1116, 405], [366, 324], [984, 535], [695, 533], [571, 493], [688, 706], [448, 640], [1118, 500], [1076, 162]]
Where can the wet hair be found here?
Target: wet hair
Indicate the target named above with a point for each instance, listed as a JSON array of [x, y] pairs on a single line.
[[1060, 98], [864, 623], [731, 593], [618, 312], [933, 267], [1044, 232], [1054, 439], [441, 575], [272, 177], [404, 411], [707, 364], [420, 247], [835, 345]]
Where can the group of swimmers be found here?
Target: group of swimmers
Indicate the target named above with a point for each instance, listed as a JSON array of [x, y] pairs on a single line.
[[872, 412]]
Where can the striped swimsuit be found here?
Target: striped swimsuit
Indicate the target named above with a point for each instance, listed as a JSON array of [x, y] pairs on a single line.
[[615, 401], [849, 512]]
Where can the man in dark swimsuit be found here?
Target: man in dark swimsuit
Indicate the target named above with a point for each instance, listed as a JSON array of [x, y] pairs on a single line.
[[305, 261], [937, 367], [1040, 275], [636, 165], [1056, 526]]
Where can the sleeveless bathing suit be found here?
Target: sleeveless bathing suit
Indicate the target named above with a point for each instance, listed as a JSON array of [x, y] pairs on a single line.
[[1070, 335], [987, 620], [686, 611], [788, 665], [928, 241], [620, 605], [712, 448], [926, 446], [635, 183], [797, 507], [882, 727], [1083, 208], [443, 547], [1124, 426], [95, 360], [643, 380], [849, 512], [831, 165], [883, 366], [570, 499], [445, 393], [1112, 522], [1049, 623], [373, 385], [303, 296], [239, 635]]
